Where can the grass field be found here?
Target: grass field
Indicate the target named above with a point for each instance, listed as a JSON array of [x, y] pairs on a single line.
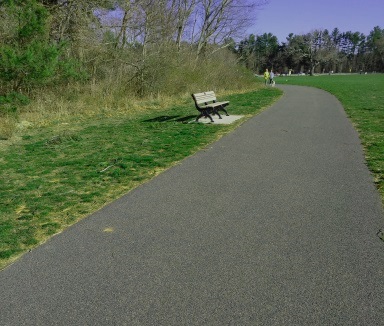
[[362, 97], [55, 175]]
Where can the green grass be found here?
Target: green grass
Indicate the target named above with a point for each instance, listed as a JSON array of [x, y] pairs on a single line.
[[362, 97], [54, 176]]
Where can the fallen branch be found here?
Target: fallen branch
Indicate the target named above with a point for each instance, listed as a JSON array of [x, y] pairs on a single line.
[[108, 167]]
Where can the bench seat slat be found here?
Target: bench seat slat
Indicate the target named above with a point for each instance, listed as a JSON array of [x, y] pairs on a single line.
[[211, 105]]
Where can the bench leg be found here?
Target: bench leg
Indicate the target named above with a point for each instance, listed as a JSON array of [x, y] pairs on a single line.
[[199, 116], [216, 111], [222, 108], [204, 114]]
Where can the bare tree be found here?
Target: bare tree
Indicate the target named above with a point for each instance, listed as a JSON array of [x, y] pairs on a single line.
[[222, 19], [184, 10], [70, 18]]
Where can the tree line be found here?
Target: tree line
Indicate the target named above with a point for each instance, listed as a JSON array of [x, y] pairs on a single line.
[[133, 46], [319, 51], [144, 47]]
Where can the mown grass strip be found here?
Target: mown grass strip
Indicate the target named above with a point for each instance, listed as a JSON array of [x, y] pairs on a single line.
[[54, 176], [362, 97]]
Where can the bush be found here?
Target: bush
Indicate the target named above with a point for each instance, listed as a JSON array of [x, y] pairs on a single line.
[[165, 71]]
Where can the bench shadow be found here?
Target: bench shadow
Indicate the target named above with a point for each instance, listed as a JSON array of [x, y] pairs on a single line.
[[166, 118], [186, 119], [162, 118]]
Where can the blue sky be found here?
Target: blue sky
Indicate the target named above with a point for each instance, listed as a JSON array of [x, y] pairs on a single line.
[[281, 17]]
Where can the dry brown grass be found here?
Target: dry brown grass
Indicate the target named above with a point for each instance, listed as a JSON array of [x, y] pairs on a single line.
[[8, 126], [113, 90]]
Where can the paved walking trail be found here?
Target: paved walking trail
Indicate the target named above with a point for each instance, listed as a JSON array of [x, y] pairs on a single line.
[[274, 224]]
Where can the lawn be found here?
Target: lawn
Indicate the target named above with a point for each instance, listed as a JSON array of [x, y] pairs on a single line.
[[362, 97], [55, 175]]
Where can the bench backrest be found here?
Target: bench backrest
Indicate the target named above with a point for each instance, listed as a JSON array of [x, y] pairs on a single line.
[[206, 97]]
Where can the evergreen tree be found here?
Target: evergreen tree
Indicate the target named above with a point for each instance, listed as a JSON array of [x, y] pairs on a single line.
[[27, 57]]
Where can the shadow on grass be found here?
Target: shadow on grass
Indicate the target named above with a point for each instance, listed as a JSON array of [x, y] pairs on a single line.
[[167, 118]]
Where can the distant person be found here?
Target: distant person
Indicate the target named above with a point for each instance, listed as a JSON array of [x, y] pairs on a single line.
[[271, 76], [266, 76]]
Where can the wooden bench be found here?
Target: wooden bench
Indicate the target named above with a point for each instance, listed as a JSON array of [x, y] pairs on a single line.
[[206, 104]]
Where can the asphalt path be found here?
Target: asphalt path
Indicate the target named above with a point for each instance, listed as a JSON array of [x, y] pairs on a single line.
[[274, 224]]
